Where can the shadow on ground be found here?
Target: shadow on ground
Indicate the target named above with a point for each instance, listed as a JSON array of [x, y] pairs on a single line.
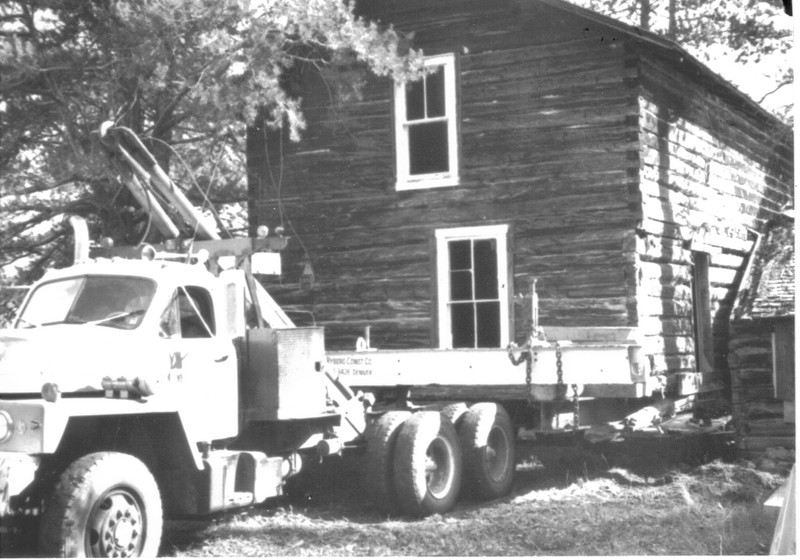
[[332, 491]]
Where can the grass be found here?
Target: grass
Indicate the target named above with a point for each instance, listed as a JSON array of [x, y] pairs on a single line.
[[710, 510]]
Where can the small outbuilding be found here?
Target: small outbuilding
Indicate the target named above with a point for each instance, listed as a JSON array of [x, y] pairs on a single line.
[[762, 343]]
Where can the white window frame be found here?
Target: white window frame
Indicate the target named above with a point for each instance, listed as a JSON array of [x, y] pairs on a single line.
[[443, 236], [406, 181]]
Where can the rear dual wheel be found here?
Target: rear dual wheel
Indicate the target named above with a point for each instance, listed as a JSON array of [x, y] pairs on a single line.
[[427, 472], [487, 439], [454, 412], [413, 463], [381, 437]]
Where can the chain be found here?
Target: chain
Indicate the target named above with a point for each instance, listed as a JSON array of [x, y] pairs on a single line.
[[529, 357], [514, 360], [529, 369], [529, 374], [576, 408], [559, 369]]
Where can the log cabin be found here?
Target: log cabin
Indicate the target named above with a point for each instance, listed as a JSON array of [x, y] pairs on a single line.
[[546, 145], [762, 343]]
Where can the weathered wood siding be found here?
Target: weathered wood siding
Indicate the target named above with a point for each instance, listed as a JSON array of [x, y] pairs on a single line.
[[604, 152], [759, 415], [711, 167], [547, 129], [762, 343]]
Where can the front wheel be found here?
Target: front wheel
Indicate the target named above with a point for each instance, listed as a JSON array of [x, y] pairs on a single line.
[[427, 472], [105, 505]]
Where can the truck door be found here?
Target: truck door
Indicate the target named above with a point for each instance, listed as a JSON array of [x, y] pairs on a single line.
[[203, 369]]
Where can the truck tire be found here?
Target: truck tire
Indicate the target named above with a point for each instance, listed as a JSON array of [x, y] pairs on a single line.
[[487, 440], [427, 472], [103, 505], [381, 438], [455, 412]]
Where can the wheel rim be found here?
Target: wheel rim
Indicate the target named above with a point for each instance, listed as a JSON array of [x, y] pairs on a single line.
[[439, 468], [496, 454], [116, 526]]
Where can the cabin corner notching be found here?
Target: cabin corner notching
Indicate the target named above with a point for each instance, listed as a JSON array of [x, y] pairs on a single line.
[[622, 175]]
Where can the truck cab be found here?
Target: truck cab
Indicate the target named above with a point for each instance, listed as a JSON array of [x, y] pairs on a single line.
[[132, 387], [157, 326]]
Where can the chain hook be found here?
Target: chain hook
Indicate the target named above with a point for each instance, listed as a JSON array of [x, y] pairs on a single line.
[[529, 356]]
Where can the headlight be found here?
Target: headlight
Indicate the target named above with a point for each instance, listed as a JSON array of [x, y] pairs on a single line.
[[6, 426]]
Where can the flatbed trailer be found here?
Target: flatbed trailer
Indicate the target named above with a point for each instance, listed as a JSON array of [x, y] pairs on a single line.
[[436, 415], [593, 368]]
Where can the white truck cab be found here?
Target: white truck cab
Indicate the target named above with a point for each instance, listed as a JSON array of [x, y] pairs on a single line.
[[155, 324], [129, 387]]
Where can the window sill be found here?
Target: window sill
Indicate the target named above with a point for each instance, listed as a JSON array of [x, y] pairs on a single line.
[[433, 182]]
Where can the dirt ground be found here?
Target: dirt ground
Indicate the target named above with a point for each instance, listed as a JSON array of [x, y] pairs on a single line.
[[645, 498], [587, 504]]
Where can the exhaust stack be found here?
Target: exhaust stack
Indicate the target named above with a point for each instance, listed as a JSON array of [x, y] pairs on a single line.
[[81, 245]]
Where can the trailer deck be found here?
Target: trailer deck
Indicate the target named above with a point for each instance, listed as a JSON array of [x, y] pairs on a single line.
[[604, 363]]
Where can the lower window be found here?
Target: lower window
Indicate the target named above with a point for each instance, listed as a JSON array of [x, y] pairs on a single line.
[[472, 269]]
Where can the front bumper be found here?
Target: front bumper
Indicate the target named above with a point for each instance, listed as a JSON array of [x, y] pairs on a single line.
[[17, 472]]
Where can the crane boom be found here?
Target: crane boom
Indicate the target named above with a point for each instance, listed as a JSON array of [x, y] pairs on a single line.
[[144, 168]]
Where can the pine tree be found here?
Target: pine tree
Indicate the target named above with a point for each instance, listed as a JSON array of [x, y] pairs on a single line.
[[748, 42], [187, 75]]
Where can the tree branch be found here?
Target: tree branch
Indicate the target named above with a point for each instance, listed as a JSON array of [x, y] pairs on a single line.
[[38, 188], [778, 87]]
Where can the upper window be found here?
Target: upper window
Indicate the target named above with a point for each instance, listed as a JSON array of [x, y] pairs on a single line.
[[473, 287], [426, 127]]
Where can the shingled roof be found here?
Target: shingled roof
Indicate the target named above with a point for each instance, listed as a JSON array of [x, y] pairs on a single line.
[[768, 290]]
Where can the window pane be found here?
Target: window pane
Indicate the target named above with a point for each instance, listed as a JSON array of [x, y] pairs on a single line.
[[428, 149], [108, 301], [119, 303], [462, 320], [170, 324], [461, 285], [488, 324], [51, 302], [415, 100], [196, 313], [435, 93], [460, 254], [486, 269]]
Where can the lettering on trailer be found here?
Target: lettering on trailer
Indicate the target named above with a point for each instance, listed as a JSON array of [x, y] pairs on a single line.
[[350, 365]]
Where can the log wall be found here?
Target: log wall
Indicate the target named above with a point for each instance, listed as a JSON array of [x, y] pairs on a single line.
[[604, 153], [546, 142], [760, 417], [711, 170]]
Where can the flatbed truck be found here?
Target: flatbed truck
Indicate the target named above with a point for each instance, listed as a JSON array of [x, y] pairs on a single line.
[[162, 381]]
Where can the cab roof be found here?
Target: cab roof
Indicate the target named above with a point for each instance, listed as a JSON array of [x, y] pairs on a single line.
[[158, 270]]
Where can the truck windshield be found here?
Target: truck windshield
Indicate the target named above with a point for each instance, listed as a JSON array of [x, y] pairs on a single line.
[[113, 301]]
